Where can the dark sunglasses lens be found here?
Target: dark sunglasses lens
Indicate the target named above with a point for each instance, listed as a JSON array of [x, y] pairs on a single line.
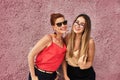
[[65, 22], [59, 24]]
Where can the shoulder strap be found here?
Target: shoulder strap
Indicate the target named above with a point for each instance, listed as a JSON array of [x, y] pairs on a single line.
[[50, 37]]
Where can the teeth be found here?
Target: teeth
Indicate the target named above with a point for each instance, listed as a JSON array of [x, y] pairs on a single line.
[[77, 29]]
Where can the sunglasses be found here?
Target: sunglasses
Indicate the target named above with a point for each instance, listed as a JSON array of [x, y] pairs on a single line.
[[60, 23]]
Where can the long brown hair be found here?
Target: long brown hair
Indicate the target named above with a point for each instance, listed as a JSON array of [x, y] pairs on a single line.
[[83, 48]]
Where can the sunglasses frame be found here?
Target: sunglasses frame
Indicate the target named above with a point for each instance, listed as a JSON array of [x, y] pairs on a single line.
[[60, 23]]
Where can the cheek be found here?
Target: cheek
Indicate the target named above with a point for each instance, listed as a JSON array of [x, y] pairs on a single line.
[[56, 28], [82, 30], [78, 31], [73, 27]]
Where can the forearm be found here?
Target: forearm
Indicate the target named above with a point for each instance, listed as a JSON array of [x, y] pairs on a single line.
[[64, 67], [31, 65]]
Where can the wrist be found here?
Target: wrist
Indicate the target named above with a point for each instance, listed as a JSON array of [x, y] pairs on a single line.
[[33, 75], [65, 75]]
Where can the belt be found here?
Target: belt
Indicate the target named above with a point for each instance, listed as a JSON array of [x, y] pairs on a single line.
[[44, 71]]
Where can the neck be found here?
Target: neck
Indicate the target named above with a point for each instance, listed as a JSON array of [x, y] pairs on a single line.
[[58, 35], [78, 36]]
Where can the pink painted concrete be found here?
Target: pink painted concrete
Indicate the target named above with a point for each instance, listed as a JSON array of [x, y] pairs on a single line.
[[24, 22]]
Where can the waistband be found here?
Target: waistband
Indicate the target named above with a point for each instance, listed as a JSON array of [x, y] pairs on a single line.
[[78, 68], [44, 71]]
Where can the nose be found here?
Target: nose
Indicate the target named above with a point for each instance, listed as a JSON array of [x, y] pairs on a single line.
[[63, 25], [77, 26]]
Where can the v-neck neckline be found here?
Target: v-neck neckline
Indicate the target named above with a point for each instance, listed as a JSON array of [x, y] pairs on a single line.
[[58, 45]]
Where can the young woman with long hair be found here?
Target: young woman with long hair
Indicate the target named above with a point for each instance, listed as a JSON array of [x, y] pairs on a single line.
[[80, 51]]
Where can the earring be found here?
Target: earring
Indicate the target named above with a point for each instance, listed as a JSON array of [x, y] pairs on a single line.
[[54, 31]]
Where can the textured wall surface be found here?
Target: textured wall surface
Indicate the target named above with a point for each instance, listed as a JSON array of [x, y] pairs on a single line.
[[24, 22]]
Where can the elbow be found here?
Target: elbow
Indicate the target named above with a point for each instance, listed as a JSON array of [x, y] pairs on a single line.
[[90, 63], [30, 57]]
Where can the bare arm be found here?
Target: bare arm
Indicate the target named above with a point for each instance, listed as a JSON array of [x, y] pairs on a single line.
[[64, 67], [66, 38], [83, 64], [41, 44], [64, 64]]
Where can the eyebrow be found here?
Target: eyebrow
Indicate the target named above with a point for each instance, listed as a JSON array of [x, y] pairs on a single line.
[[80, 23]]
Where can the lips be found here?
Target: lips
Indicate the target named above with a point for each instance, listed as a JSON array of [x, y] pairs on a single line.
[[63, 29], [77, 29]]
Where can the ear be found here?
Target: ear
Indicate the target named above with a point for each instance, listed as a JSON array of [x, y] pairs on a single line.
[[53, 27]]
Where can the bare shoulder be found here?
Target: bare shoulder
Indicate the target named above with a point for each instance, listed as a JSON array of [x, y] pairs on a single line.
[[46, 37], [91, 41], [67, 36], [43, 42]]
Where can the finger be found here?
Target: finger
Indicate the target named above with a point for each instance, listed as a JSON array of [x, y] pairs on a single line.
[[82, 55], [85, 59]]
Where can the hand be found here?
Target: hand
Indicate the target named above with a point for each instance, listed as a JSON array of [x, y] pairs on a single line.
[[57, 77], [35, 78], [82, 61], [66, 78]]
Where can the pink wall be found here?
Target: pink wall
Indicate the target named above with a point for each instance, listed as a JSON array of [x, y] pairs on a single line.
[[24, 22]]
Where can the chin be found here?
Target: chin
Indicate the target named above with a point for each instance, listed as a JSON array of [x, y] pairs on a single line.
[[62, 32], [77, 32]]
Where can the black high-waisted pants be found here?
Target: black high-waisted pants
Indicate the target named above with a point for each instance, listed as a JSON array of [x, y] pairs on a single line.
[[75, 73], [43, 76]]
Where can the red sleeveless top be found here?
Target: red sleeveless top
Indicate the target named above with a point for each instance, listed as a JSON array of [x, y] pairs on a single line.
[[51, 57]]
